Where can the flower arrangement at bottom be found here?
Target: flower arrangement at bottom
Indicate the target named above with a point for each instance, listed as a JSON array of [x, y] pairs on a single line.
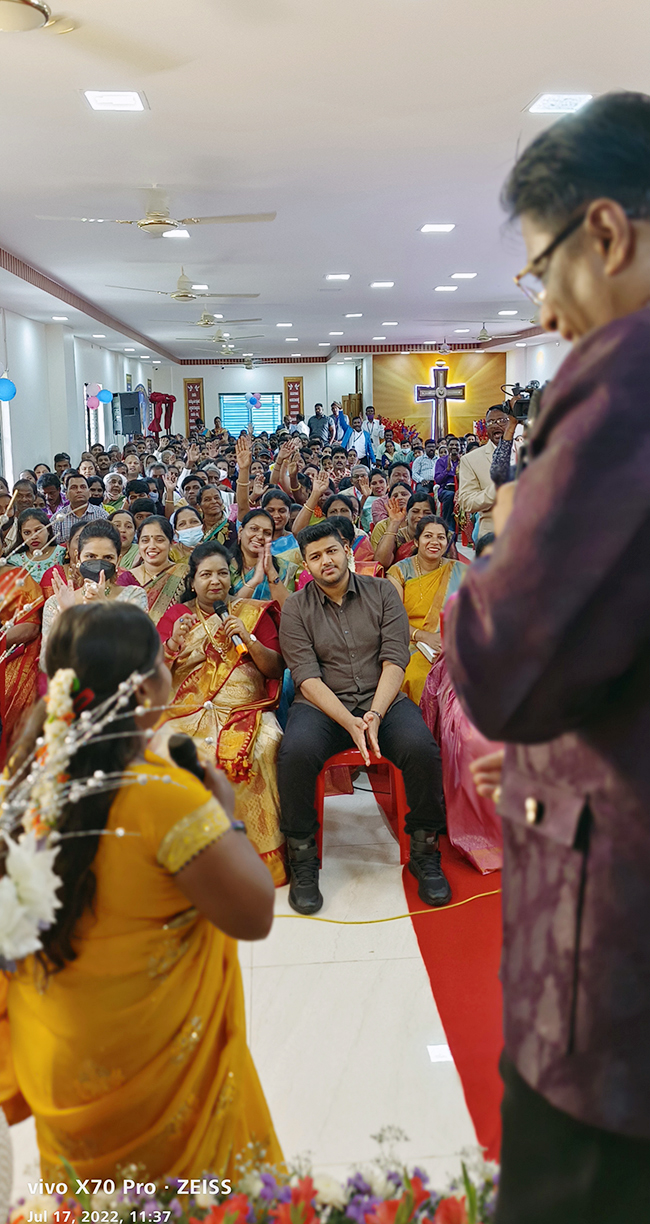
[[384, 1192], [402, 433]]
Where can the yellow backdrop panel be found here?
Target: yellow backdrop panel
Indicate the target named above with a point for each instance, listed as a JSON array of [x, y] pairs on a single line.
[[395, 376]]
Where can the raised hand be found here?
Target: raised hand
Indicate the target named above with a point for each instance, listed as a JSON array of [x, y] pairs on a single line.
[[258, 487], [395, 511], [285, 453], [321, 483], [269, 563], [169, 481], [193, 454], [63, 591], [94, 590], [364, 486], [243, 453]]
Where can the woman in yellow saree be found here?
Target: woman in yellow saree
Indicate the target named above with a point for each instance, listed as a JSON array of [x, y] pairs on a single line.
[[125, 1036], [424, 582], [224, 697]]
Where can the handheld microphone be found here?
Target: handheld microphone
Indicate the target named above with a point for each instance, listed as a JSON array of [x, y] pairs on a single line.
[[182, 751], [221, 610]]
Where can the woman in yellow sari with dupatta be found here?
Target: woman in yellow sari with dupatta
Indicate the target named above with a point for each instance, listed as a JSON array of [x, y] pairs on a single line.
[[125, 1035], [224, 693], [424, 582]]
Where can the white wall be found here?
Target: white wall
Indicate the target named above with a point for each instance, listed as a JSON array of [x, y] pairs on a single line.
[[321, 384], [540, 361]]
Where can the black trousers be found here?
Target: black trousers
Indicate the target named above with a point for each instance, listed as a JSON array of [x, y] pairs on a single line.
[[404, 738], [555, 1170]]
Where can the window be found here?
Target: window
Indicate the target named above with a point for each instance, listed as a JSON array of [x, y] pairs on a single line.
[[236, 414]]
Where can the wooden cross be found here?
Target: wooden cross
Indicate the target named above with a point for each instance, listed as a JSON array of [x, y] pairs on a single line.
[[439, 393]]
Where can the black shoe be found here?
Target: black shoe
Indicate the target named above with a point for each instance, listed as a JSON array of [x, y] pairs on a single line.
[[424, 864], [304, 893]]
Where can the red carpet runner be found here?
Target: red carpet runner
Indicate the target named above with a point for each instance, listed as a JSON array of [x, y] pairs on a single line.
[[461, 950]]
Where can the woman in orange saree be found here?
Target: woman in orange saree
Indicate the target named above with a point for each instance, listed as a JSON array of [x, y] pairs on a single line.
[[224, 697], [21, 605], [130, 1047]]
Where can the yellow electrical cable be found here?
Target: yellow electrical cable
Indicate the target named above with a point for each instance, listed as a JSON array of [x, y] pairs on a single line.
[[395, 917]]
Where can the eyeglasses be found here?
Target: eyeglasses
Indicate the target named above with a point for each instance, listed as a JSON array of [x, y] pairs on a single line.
[[531, 279], [501, 420]]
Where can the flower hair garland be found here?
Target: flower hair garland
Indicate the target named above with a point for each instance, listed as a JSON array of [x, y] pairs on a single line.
[[31, 804]]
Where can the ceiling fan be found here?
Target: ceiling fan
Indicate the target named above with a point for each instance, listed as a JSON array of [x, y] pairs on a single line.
[[157, 220], [183, 291], [208, 320], [220, 337], [24, 16]]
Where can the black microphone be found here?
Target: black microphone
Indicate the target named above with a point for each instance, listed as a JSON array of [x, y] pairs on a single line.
[[182, 751], [221, 609]]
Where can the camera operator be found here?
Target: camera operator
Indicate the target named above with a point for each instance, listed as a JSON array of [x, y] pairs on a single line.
[[548, 645]]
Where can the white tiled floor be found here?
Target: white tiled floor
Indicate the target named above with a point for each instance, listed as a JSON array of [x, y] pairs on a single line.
[[339, 1017]]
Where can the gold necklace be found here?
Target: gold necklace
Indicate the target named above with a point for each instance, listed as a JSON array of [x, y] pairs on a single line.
[[221, 650], [150, 577]]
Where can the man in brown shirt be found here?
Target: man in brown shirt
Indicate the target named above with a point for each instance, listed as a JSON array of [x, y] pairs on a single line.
[[345, 637]]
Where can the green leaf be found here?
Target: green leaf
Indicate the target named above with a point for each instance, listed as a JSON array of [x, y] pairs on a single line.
[[471, 1196], [80, 1196]]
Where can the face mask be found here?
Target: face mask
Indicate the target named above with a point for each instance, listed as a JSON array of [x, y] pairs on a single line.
[[95, 501], [154, 496], [92, 569], [191, 536]]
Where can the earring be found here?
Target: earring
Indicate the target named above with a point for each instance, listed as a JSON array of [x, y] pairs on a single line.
[[147, 703]]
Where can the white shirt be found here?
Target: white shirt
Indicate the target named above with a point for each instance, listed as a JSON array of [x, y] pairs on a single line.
[[299, 427], [376, 431], [358, 441]]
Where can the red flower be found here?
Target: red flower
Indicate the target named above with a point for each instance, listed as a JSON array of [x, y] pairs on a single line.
[[385, 1212], [418, 1191], [233, 1211], [300, 1210], [451, 1211]]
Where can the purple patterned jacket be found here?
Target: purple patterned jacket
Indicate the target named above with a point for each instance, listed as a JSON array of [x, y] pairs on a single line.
[[548, 645]]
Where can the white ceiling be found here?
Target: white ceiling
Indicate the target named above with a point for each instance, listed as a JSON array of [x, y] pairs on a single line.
[[357, 121]]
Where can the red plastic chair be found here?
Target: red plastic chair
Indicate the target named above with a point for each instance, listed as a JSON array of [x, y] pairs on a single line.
[[398, 806]]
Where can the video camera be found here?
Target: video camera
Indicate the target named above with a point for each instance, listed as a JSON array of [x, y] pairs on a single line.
[[522, 396]]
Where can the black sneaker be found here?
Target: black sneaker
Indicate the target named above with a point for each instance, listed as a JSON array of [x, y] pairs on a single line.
[[424, 864], [304, 893]]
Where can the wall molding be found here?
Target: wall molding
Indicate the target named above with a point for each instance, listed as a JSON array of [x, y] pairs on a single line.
[[33, 276]]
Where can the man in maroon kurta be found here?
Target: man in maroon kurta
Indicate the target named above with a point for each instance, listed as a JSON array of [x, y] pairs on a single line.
[[548, 645]]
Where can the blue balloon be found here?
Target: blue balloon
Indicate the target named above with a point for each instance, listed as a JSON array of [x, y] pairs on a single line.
[[105, 397], [7, 389]]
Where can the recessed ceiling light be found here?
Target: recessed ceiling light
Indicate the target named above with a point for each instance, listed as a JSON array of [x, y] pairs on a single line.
[[226, 335], [406, 352], [436, 229], [231, 346], [558, 104], [60, 318], [446, 288], [129, 350], [390, 324], [144, 356], [339, 363], [460, 331], [176, 233], [324, 344], [114, 99], [99, 336], [215, 316], [336, 333], [296, 354], [156, 361], [379, 337], [463, 275], [201, 289], [284, 325], [247, 354], [508, 312], [382, 284], [354, 316], [338, 276], [520, 344], [347, 359]]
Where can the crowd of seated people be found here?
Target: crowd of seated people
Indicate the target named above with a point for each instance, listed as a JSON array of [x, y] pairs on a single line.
[[261, 526]]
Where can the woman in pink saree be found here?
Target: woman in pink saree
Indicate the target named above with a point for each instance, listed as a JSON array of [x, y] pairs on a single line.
[[473, 825]]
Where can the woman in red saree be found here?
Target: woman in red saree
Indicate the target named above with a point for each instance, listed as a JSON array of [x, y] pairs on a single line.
[[21, 605], [224, 697]]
